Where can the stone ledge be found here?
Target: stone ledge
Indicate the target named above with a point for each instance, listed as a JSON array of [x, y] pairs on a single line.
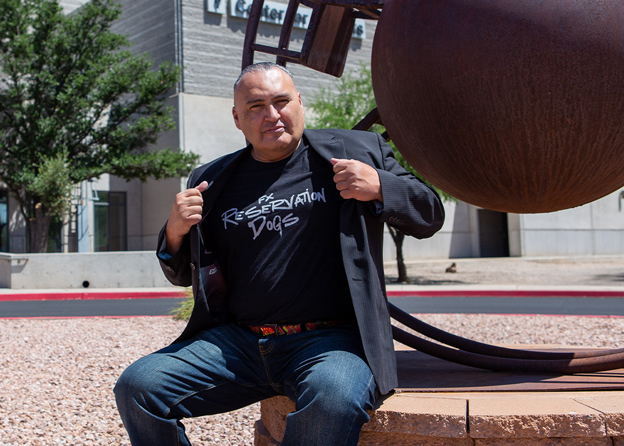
[[612, 406], [566, 411], [411, 414], [532, 416], [400, 418], [505, 419]]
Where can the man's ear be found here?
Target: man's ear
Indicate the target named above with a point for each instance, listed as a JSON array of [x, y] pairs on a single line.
[[235, 116]]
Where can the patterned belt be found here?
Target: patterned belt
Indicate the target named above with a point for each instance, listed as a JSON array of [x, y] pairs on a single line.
[[288, 329]]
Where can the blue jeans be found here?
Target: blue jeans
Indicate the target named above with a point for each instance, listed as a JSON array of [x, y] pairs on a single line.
[[227, 367]]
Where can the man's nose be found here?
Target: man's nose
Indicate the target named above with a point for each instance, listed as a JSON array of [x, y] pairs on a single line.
[[272, 113]]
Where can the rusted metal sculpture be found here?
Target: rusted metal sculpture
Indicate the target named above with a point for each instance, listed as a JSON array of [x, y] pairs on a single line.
[[511, 105], [327, 39]]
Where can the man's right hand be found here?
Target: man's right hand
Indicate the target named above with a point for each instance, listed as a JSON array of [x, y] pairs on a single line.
[[185, 212]]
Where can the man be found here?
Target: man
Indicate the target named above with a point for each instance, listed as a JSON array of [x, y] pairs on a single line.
[[295, 221]]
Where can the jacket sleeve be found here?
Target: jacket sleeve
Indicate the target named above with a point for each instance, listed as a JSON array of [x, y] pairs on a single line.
[[176, 267], [409, 204]]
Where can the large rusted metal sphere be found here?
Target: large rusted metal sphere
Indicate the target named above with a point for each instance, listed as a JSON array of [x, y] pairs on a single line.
[[512, 105]]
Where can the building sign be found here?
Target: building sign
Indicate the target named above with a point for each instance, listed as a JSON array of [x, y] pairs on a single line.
[[216, 6], [274, 12]]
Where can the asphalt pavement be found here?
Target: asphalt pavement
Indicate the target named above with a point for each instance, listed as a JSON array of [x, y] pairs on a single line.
[[88, 308], [503, 304]]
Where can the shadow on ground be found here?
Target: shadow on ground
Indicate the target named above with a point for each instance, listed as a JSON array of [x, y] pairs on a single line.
[[609, 277], [392, 280]]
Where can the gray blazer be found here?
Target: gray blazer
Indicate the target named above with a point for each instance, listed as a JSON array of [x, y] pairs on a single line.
[[409, 205]]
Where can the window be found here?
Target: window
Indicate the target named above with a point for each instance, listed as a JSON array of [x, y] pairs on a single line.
[[110, 222], [4, 220]]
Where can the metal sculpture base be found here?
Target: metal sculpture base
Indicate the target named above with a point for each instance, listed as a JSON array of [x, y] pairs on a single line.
[[476, 354], [419, 372]]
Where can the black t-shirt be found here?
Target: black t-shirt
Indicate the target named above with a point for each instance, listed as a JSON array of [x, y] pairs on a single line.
[[275, 230]]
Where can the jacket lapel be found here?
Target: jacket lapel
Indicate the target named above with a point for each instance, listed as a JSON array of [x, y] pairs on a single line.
[[218, 178], [325, 145]]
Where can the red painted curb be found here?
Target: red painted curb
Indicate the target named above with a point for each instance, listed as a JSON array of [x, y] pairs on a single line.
[[13, 318], [92, 295], [508, 293]]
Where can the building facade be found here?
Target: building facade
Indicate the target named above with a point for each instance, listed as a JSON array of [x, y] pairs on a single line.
[[205, 37]]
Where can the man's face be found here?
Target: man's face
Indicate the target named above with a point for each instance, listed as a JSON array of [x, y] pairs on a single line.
[[269, 112]]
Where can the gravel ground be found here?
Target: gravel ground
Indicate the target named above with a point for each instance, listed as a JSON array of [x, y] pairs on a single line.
[[57, 379], [57, 374]]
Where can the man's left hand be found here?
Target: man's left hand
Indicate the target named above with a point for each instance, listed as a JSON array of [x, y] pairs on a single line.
[[355, 179]]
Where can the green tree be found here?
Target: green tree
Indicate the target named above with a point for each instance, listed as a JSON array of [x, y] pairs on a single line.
[[343, 106], [75, 104]]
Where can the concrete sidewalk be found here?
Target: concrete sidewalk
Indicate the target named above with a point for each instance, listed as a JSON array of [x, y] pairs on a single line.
[[510, 276], [7, 294], [543, 272]]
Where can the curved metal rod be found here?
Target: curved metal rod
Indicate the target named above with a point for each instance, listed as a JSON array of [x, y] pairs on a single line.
[[251, 31], [561, 366], [371, 118], [487, 349]]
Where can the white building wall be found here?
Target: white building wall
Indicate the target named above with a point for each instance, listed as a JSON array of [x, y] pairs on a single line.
[[515, 235], [157, 198], [207, 126], [596, 228], [458, 237], [70, 6], [150, 26], [158, 195]]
